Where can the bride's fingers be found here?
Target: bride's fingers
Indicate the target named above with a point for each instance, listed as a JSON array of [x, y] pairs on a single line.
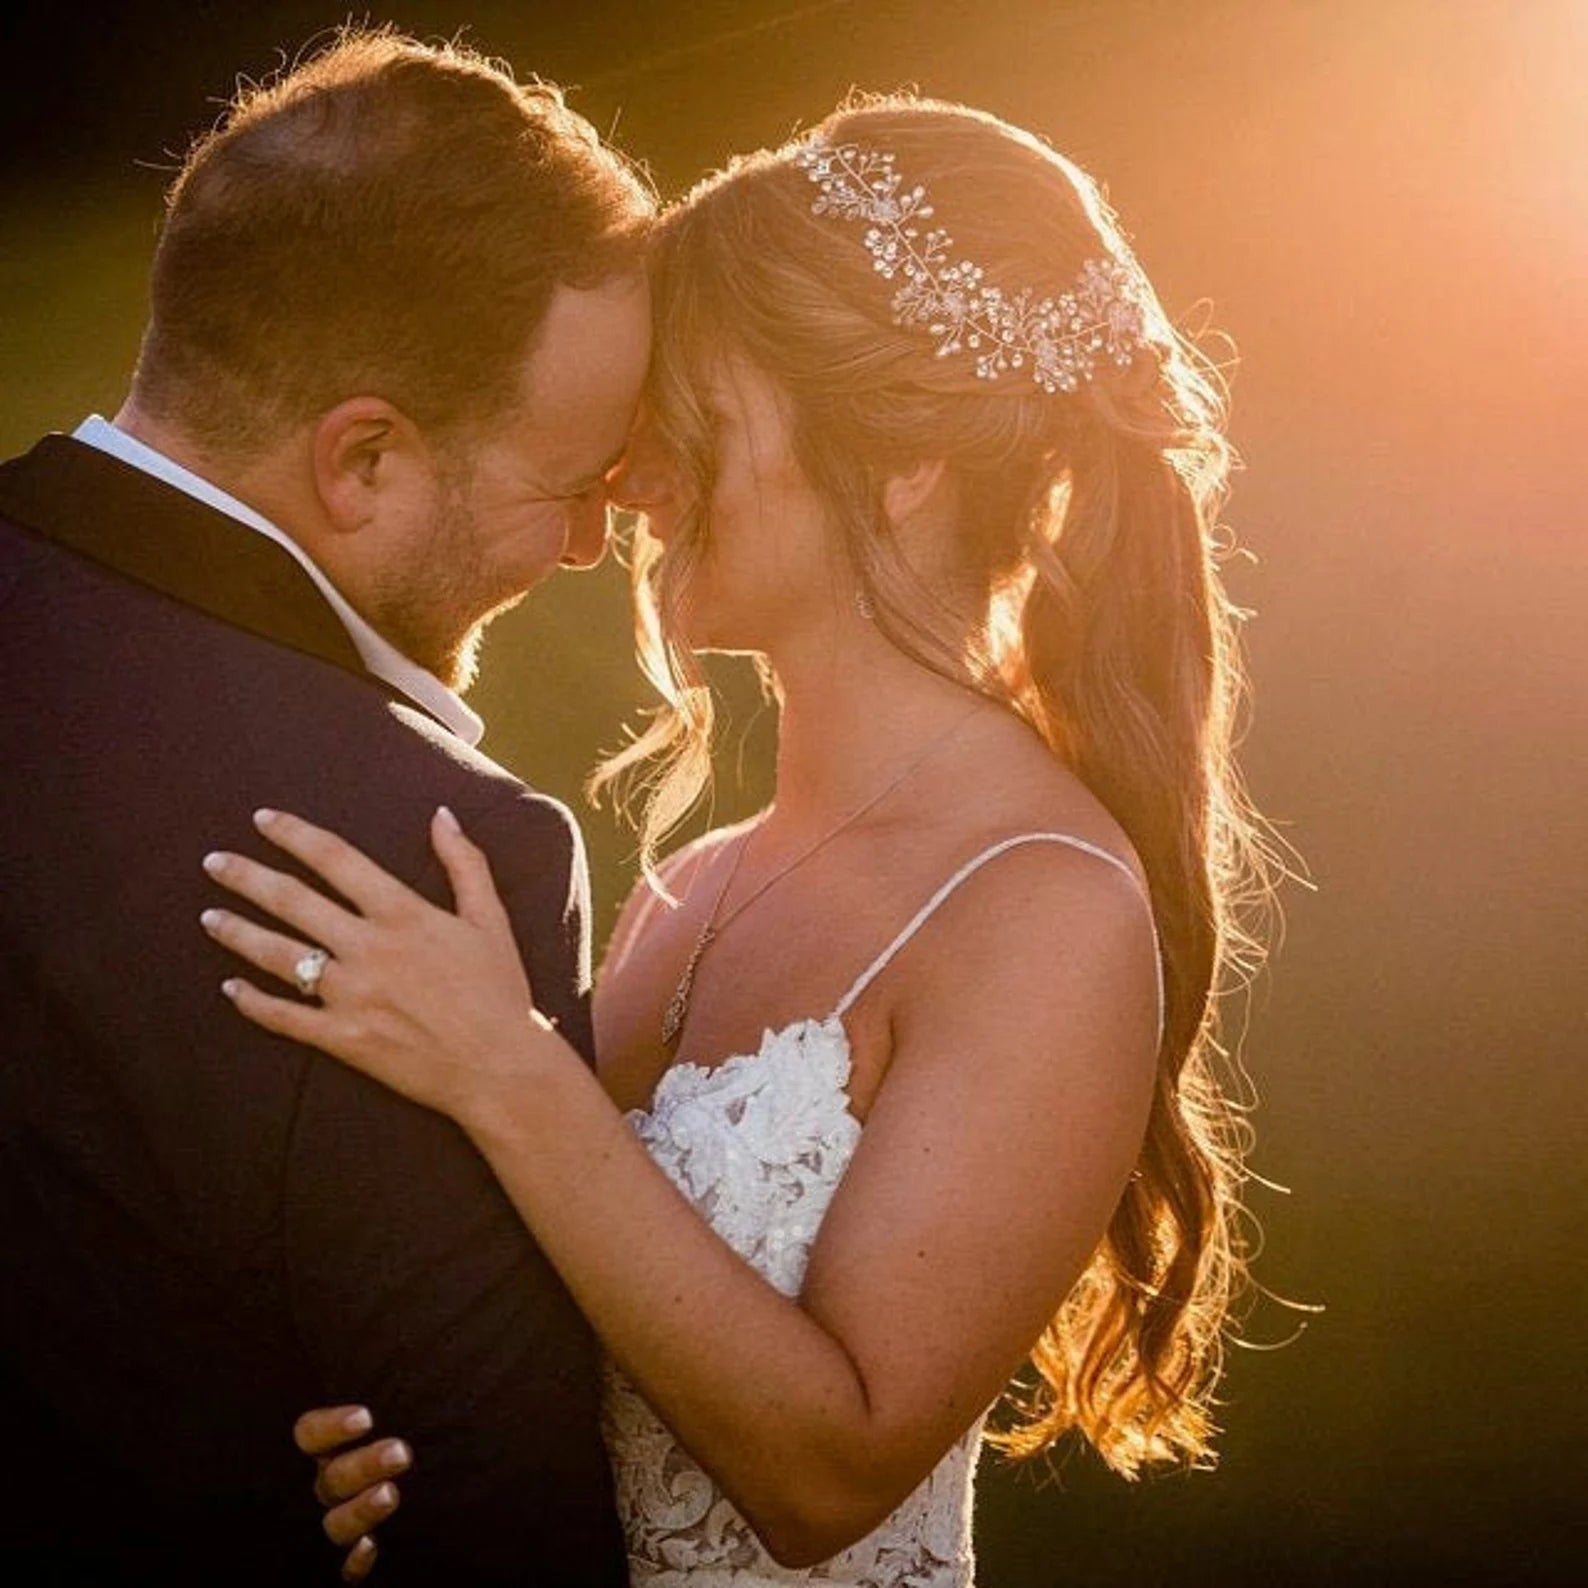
[[285, 1016], [269, 951], [360, 1560], [292, 902], [328, 1428], [350, 1522], [469, 872], [350, 1474], [374, 892]]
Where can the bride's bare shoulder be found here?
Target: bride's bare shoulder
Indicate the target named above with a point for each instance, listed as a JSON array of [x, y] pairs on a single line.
[[1028, 789]]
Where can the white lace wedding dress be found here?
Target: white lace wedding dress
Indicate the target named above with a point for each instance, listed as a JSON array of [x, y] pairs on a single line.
[[759, 1144]]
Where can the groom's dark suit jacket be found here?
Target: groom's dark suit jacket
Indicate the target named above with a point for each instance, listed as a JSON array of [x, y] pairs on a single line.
[[205, 1229]]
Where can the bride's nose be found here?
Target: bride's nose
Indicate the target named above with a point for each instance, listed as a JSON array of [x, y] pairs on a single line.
[[646, 479]]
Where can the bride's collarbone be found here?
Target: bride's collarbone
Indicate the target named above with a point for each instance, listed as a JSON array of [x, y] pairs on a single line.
[[794, 955]]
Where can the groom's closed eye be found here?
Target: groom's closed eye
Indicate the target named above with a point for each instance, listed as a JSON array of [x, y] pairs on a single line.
[[594, 481]]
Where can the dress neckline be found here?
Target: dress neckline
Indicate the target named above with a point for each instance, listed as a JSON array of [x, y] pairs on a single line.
[[704, 1075]]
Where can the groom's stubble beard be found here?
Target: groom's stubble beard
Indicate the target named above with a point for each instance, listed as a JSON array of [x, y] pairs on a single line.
[[436, 606]]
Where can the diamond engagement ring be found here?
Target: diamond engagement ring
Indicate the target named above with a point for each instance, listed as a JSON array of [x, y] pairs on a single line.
[[307, 972]]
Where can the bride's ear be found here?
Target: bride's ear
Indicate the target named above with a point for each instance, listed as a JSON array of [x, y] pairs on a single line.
[[366, 456], [905, 494]]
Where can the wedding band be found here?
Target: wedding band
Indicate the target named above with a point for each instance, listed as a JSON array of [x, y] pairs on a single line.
[[307, 972]]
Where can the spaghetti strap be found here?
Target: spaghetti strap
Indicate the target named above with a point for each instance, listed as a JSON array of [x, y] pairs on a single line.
[[969, 869]]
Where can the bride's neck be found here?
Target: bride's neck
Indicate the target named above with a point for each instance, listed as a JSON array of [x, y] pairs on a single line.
[[849, 723]]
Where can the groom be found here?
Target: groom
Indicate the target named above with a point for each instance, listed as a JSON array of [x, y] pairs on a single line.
[[398, 330]]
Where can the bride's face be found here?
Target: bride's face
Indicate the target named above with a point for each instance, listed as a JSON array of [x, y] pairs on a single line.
[[763, 565]]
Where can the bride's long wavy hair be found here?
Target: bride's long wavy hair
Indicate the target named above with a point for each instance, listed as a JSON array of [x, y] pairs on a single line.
[[1090, 542]]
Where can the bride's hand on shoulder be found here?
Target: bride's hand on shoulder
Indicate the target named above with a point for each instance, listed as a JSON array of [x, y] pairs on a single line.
[[354, 1482], [434, 1003]]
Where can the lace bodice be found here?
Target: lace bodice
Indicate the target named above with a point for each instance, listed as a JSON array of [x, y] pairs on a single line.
[[759, 1144]]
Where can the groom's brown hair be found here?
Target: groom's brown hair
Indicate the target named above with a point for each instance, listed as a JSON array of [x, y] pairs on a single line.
[[387, 218]]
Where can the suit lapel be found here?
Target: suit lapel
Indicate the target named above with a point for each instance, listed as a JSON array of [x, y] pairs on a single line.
[[104, 509]]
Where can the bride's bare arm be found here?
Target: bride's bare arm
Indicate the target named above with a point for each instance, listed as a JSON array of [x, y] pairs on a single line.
[[990, 1163]]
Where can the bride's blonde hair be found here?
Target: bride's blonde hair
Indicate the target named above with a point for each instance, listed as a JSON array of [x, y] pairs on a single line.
[[1088, 530]]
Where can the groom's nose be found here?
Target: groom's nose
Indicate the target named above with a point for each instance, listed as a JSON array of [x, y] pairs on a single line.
[[586, 541]]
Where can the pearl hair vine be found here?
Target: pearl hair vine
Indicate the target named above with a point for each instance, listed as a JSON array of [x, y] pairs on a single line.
[[1061, 340]]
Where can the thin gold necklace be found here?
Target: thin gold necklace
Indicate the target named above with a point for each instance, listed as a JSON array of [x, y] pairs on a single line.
[[677, 1010]]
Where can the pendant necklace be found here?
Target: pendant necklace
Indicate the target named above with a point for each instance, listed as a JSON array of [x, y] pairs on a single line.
[[677, 1010]]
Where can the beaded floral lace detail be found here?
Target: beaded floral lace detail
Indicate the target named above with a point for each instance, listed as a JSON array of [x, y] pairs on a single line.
[[759, 1144]]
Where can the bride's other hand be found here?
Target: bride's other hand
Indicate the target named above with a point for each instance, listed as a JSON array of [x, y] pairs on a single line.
[[435, 1004], [352, 1481]]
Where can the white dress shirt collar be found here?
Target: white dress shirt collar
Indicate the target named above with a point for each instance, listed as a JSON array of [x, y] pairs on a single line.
[[379, 655]]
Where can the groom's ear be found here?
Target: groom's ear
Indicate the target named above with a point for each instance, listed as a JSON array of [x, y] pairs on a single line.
[[367, 457]]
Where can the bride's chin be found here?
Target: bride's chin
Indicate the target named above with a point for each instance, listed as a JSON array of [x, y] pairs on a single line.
[[704, 631]]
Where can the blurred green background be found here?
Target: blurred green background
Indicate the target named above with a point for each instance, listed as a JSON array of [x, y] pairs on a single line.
[[1386, 205]]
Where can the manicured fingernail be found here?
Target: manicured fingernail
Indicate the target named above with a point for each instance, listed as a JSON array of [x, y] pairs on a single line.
[[395, 1456], [358, 1421], [210, 919], [231, 988], [215, 862], [263, 817], [448, 820], [385, 1497]]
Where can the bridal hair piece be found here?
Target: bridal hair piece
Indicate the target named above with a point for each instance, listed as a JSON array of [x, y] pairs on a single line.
[[1062, 340]]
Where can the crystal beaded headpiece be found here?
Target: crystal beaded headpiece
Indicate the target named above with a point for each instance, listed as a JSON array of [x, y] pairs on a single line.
[[1061, 340]]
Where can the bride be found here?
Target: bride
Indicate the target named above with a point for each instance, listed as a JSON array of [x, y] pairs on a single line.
[[910, 1079]]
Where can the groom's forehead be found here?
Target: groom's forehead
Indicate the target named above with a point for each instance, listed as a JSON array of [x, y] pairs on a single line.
[[590, 336], [584, 373]]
